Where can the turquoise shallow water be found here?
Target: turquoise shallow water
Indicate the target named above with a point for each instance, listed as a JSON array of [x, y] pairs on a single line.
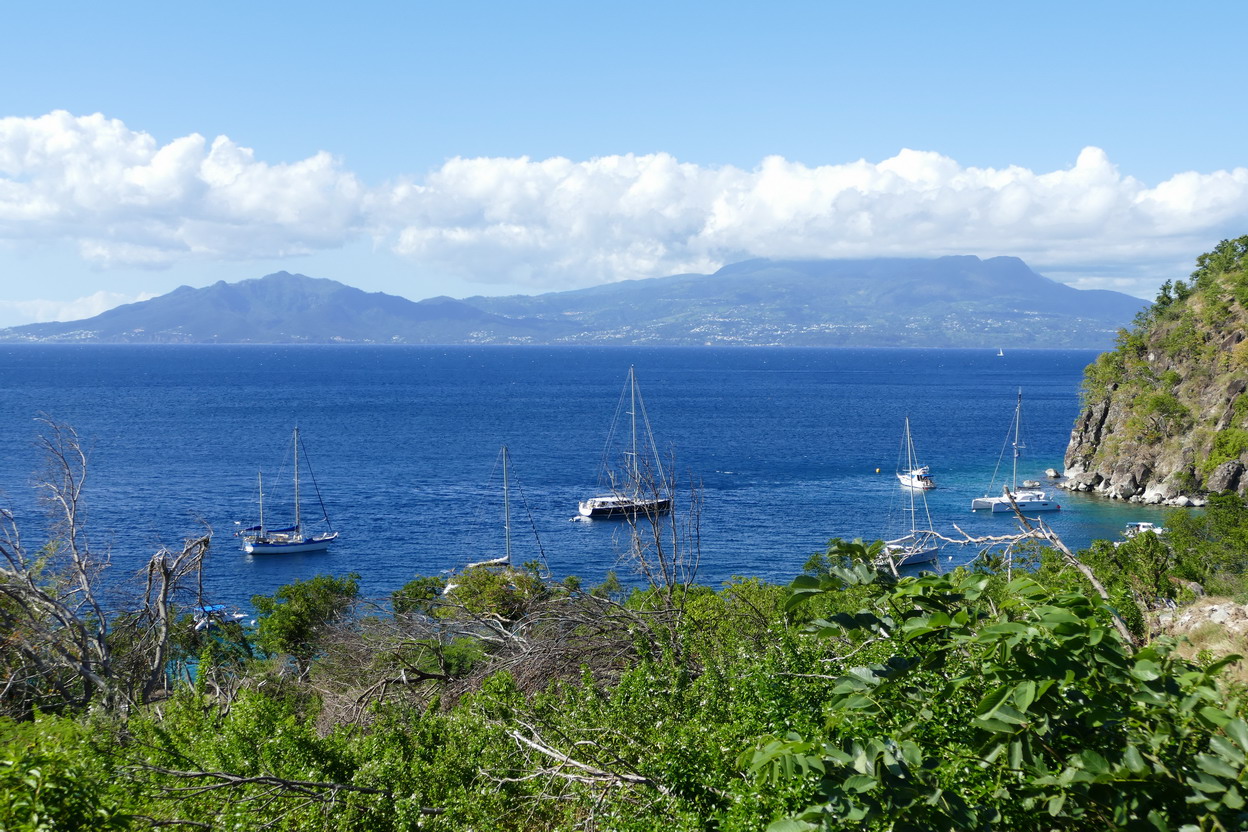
[[784, 444]]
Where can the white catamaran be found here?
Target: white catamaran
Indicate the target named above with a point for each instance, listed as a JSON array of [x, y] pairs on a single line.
[[638, 489], [917, 545], [262, 540], [1027, 499]]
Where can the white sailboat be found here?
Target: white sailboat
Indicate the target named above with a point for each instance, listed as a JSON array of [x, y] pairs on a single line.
[[501, 565], [917, 545], [262, 540], [1027, 499], [913, 475], [637, 489], [505, 558]]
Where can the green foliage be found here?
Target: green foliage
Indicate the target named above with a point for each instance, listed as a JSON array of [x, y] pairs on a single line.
[[993, 698], [1103, 374], [505, 592], [1028, 712], [1156, 415], [1228, 444], [292, 619], [418, 595], [1185, 338], [1211, 546], [50, 781], [610, 586], [1227, 256], [1239, 411]]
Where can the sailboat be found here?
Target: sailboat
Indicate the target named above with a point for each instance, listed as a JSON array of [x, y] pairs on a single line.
[[635, 490], [501, 565], [1027, 499], [918, 545], [914, 475], [505, 558], [262, 540]]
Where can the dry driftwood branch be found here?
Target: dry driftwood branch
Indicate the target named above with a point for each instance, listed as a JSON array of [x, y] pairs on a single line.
[[581, 772]]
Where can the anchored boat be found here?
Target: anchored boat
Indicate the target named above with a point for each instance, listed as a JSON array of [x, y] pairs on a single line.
[[640, 488], [263, 540], [1027, 499]]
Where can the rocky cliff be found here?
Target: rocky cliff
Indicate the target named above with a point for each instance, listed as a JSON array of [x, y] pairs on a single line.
[[1165, 416]]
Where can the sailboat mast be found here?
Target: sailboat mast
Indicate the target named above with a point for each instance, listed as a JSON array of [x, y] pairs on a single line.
[[1018, 417], [910, 467], [260, 487], [632, 412], [506, 510], [298, 526]]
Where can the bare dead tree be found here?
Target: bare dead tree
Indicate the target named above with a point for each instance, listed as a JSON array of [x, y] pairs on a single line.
[[449, 648], [664, 543], [58, 644], [167, 573]]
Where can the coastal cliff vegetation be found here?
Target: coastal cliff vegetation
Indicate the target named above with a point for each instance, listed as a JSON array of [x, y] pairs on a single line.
[[1029, 690], [1165, 413]]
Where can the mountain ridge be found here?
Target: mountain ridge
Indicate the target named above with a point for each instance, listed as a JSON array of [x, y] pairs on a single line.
[[956, 301]]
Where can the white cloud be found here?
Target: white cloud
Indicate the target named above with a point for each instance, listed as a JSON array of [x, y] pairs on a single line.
[[18, 312], [557, 222], [124, 200]]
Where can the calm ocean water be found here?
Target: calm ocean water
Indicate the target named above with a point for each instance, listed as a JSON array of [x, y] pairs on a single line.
[[786, 444]]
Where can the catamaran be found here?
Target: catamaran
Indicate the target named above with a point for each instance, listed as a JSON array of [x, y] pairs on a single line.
[[262, 540], [1027, 499], [638, 489]]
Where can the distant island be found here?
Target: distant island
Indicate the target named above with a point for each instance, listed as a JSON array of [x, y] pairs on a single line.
[[958, 301]]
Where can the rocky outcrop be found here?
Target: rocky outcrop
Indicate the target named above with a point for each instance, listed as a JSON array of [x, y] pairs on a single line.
[[1165, 416]]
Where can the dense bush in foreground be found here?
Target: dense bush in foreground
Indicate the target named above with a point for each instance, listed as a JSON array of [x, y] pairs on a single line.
[[849, 700]]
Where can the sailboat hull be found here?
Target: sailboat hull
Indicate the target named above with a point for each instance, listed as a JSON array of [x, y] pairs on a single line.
[[1034, 501], [909, 557], [614, 506], [916, 547], [274, 546]]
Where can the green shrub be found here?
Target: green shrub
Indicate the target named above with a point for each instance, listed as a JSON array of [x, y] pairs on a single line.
[[1228, 444]]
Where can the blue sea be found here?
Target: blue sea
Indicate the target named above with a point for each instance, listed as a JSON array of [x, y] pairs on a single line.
[[788, 447]]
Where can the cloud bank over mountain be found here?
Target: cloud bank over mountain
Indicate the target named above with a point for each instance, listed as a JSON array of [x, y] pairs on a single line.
[[121, 198]]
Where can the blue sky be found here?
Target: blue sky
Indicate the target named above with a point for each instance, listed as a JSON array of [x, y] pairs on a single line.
[[489, 148]]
